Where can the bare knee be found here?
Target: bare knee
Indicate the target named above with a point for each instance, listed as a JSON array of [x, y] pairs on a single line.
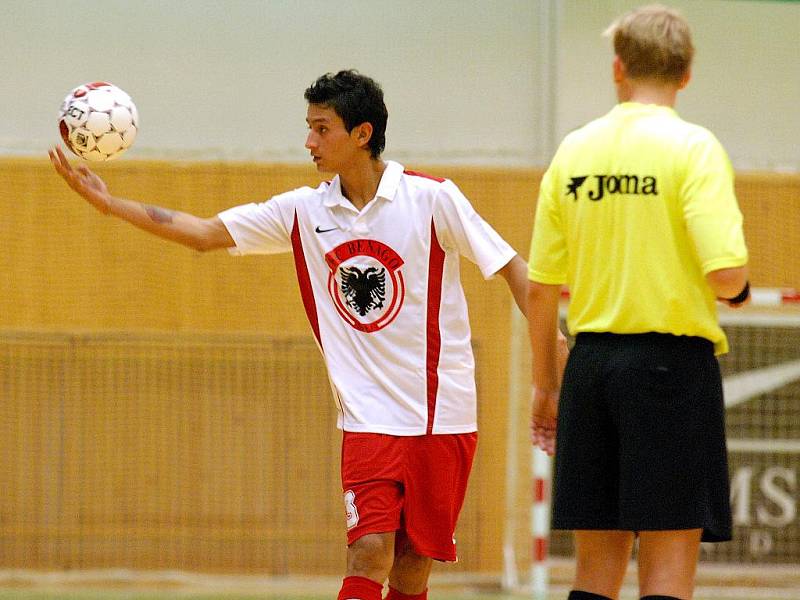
[[601, 560], [668, 562], [371, 556], [410, 571]]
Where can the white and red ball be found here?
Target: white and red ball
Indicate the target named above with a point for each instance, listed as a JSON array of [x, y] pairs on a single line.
[[98, 121]]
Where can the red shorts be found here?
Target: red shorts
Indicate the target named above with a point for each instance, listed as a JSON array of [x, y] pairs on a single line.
[[412, 485]]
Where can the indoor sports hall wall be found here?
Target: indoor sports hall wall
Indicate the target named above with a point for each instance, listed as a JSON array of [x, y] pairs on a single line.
[[466, 81], [167, 409]]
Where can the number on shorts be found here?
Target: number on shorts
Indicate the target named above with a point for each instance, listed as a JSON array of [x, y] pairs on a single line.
[[350, 510]]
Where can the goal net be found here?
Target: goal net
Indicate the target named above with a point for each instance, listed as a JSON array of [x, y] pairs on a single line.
[[761, 376]]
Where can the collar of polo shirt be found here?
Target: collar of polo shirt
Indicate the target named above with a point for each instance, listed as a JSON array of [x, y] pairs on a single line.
[[387, 188]]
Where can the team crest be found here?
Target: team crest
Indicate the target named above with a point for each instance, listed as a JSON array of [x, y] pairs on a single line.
[[366, 283]]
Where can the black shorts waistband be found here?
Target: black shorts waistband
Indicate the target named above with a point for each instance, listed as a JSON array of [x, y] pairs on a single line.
[[649, 338]]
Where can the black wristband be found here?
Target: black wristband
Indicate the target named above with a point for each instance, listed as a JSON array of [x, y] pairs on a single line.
[[742, 295]]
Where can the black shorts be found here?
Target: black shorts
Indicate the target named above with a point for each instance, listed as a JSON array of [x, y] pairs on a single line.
[[641, 437]]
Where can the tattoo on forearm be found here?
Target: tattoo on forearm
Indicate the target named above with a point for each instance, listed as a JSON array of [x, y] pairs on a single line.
[[158, 214]]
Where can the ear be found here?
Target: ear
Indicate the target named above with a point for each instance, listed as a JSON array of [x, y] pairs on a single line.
[[362, 134], [685, 79], [619, 69]]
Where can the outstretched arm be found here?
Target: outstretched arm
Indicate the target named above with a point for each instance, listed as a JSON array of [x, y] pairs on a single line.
[[184, 228]]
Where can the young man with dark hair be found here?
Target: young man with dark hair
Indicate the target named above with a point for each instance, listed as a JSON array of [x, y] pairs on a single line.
[[377, 253], [356, 99], [637, 214]]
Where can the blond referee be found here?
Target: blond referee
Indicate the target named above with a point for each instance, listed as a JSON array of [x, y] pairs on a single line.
[[637, 215]]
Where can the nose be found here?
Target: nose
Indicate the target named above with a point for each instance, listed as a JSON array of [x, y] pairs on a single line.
[[311, 141]]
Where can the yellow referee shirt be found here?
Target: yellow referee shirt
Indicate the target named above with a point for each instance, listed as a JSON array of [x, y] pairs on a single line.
[[635, 208]]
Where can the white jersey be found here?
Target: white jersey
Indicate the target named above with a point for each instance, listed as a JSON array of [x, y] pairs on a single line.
[[382, 292]]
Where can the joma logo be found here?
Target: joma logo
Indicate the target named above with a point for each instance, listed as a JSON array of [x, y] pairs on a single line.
[[614, 184]]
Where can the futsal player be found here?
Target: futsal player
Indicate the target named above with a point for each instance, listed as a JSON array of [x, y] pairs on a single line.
[[377, 253], [637, 215]]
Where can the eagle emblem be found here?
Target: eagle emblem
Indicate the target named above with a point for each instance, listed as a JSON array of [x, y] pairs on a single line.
[[363, 290], [366, 283]]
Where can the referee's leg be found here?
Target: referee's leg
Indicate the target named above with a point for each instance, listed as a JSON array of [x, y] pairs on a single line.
[[667, 562], [601, 558]]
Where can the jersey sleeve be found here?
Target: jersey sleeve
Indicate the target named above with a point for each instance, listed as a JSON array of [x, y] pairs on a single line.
[[461, 228], [261, 228], [548, 257], [712, 214]]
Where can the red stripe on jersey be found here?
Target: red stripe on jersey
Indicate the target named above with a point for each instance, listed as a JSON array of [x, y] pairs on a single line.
[[434, 337], [304, 279], [425, 175]]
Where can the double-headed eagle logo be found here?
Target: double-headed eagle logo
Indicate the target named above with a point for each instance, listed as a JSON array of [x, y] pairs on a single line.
[[366, 283], [364, 290]]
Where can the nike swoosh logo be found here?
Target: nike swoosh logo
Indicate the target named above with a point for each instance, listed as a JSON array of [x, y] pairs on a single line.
[[318, 230], [741, 387]]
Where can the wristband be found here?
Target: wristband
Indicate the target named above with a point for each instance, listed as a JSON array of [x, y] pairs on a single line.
[[742, 295]]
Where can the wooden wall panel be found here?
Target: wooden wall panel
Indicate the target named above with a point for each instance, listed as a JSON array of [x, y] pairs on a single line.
[[140, 427]]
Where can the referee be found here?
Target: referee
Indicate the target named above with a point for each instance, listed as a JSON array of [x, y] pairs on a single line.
[[637, 215]]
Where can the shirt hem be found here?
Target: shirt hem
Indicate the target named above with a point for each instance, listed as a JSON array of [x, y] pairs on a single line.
[[724, 263], [546, 279], [498, 265], [234, 250]]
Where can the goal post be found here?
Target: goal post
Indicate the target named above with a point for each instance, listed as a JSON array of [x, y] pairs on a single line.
[[528, 473]]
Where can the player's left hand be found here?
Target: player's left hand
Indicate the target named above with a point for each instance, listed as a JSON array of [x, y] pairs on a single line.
[[544, 416]]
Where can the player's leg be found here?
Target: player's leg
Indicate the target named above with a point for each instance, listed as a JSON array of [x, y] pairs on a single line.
[[369, 560], [408, 579], [601, 558], [371, 556], [667, 562], [436, 473], [373, 501]]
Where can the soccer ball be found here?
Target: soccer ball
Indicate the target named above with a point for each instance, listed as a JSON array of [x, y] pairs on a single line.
[[98, 121]]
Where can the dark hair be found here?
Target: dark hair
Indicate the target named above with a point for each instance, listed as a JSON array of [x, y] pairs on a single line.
[[357, 99]]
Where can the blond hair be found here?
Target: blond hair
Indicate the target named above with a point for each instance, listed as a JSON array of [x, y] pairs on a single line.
[[653, 42]]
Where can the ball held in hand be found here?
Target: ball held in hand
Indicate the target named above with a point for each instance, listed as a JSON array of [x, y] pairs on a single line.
[[98, 121]]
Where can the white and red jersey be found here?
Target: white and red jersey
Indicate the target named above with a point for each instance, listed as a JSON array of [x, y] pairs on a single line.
[[382, 291]]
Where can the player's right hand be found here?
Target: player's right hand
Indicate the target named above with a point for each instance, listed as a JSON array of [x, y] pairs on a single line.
[[82, 180]]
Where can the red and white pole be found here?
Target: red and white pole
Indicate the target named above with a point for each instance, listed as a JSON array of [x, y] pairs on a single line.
[[540, 522]]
